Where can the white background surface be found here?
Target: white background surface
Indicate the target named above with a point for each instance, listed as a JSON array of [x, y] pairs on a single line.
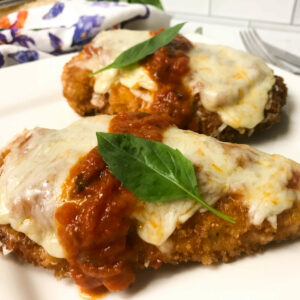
[[277, 21], [273, 11], [31, 96], [265, 10]]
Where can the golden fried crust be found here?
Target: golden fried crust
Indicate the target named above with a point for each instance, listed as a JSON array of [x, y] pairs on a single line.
[[29, 251], [78, 90], [204, 238], [208, 239], [78, 86]]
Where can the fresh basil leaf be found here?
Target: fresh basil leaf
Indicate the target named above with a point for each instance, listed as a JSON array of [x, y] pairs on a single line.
[[151, 170], [141, 50], [156, 3], [199, 30]]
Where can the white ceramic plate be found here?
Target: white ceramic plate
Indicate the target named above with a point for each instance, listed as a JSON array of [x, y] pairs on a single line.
[[31, 95]]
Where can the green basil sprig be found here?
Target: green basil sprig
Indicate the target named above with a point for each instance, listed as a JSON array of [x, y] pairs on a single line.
[[141, 50], [156, 3], [151, 170]]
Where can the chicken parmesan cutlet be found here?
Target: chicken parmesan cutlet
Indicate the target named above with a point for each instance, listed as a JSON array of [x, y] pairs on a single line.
[[62, 208], [210, 89]]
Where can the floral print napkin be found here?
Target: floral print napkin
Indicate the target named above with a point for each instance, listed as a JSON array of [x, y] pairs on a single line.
[[67, 25]]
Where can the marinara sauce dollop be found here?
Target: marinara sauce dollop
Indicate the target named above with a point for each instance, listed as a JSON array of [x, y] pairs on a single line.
[[94, 221]]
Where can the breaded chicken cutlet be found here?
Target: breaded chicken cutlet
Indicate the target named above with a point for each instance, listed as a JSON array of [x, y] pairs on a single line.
[[210, 89], [63, 209]]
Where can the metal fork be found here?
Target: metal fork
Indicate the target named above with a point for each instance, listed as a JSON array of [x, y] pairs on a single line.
[[256, 46], [8, 3], [279, 53]]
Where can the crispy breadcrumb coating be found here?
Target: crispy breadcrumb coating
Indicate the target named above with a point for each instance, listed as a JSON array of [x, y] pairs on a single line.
[[204, 238]]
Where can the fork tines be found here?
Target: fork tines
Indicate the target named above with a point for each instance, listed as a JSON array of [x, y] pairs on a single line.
[[256, 46]]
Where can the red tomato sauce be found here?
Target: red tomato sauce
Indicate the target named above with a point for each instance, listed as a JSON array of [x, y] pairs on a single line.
[[94, 222], [167, 67]]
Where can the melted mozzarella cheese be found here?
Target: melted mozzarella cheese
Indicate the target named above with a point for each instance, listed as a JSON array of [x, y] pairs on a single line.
[[231, 83], [39, 162], [33, 174], [112, 44], [261, 179]]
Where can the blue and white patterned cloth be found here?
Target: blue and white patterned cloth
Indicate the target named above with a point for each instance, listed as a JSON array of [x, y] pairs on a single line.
[[67, 25]]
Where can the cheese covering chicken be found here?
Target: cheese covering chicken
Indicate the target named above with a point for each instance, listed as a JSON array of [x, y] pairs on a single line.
[[37, 163], [231, 83]]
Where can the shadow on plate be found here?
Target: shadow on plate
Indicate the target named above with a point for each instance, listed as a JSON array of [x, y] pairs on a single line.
[[148, 277], [143, 277]]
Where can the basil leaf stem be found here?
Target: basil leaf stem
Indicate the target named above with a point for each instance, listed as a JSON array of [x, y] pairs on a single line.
[[151, 170], [141, 50]]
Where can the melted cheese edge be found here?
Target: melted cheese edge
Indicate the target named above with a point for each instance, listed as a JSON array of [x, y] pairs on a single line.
[[111, 45], [32, 176], [35, 170], [262, 183], [231, 83]]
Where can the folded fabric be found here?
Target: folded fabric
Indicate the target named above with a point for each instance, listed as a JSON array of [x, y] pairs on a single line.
[[67, 25]]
